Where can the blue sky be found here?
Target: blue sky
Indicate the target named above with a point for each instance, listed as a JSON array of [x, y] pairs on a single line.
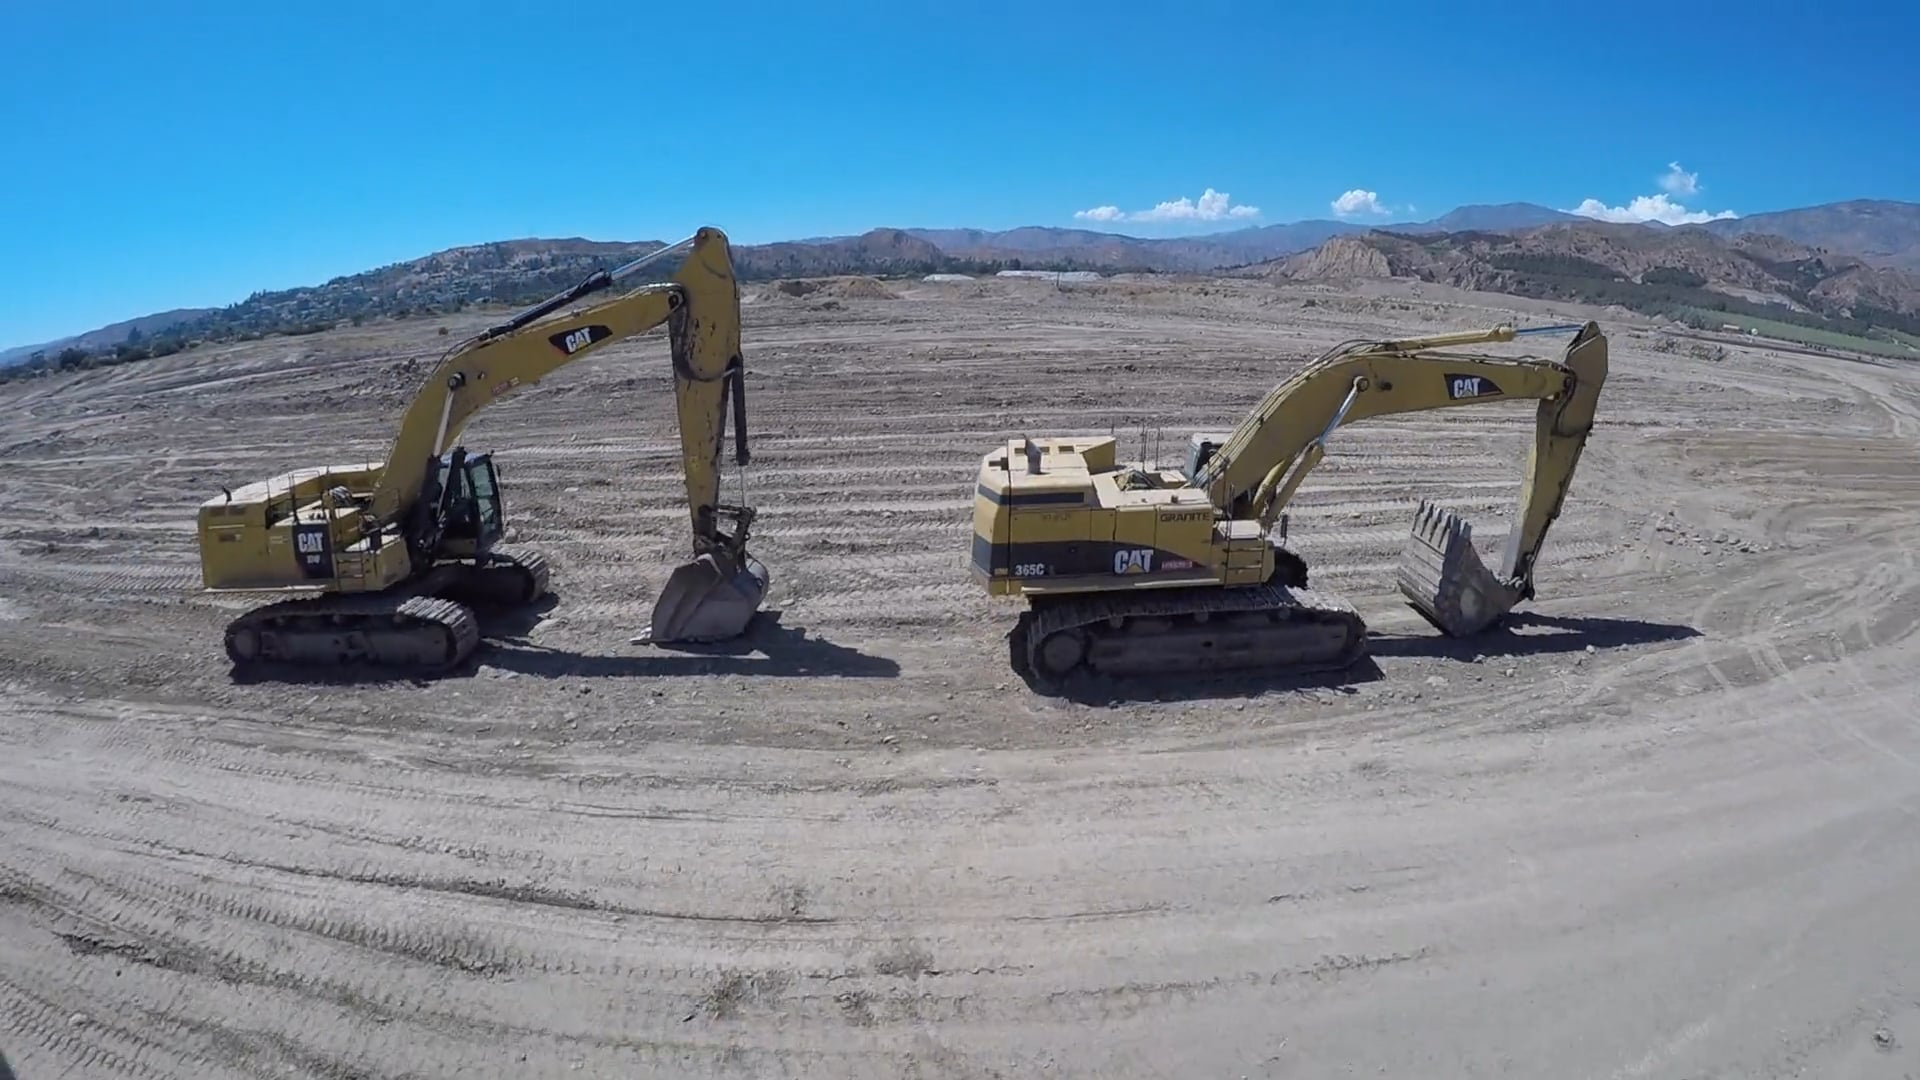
[[160, 154]]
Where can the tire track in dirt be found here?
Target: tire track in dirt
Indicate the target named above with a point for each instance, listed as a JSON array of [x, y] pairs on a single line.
[[108, 580], [890, 858]]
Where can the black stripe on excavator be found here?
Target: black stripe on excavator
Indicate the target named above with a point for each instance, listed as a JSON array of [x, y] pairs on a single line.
[[1075, 558], [1031, 498], [594, 282], [983, 554], [572, 341], [737, 382]]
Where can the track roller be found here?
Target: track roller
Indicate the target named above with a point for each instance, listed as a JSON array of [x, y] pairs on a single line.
[[410, 634], [1270, 629], [507, 579]]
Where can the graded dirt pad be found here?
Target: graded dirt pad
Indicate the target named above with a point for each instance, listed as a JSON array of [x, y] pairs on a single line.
[[1665, 826]]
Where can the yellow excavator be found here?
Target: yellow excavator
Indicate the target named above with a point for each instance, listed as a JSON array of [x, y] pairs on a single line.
[[381, 565], [1135, 570]]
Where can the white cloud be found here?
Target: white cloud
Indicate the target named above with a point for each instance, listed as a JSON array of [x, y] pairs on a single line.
[[1663, 207], [1646, 208], [1357, 202], [1678, 182], [1212, 206]]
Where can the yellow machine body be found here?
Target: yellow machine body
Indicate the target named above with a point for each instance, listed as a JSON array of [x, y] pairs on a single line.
[[380, 561], [1136, 568], [286, 533], [1052, 516]]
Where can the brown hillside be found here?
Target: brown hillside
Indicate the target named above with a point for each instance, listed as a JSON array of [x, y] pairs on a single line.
[[1665, 271]]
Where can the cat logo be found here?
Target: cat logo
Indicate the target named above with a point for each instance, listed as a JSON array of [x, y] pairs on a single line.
[[1133, 561], [1470, 386], [313, 546], [572, 341]]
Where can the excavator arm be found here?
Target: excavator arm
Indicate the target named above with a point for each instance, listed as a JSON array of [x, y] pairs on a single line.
[[1260, 466], [705, 599], [701, 307]]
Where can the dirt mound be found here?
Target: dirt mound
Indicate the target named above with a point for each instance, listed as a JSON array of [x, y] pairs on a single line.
[[865, 288], [1340, 259], [858, 288]]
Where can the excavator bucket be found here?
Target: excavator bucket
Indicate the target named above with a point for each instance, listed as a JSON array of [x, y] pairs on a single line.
[[1442, 576], [712, 598]]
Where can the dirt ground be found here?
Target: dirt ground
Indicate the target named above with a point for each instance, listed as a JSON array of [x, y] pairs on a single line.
[[1665, 826]]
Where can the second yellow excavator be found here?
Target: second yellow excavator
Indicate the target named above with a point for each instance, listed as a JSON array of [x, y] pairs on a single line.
[[1136, 570], [380, 565]]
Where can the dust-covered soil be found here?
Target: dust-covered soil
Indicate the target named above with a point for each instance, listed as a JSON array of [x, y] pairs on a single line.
[[1663, 826]]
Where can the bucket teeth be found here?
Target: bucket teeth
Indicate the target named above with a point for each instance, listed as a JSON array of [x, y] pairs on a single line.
[[1442, 576]]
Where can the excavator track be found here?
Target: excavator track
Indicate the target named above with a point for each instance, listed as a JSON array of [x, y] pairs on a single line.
[[426, 628], [389, 632], [508, 579], [1274, 629]]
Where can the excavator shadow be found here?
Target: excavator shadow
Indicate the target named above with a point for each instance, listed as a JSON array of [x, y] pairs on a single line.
[[1520, 634], [1142, 689], [513, 624], [766, 649]]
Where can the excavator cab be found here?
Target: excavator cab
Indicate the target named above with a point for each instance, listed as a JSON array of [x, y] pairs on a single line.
[[465, 492], [1201, 446]]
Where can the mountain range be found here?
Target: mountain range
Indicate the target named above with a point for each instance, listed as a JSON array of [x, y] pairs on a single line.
[[1687, 274], [1858, 239]]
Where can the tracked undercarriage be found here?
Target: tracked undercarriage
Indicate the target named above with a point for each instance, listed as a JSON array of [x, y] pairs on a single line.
[[1274, 629], [1279, 629], [428, 626]]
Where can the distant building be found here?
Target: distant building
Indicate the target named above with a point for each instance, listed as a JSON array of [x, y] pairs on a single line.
[[1052, 275]]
